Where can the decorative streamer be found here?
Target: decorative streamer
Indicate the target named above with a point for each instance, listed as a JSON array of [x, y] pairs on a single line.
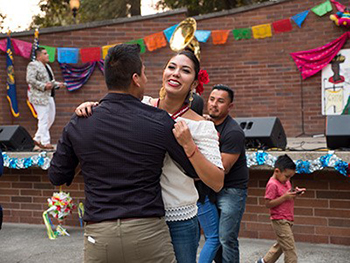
[[169, 32], [219, 36], [155, 41], [139, 41], [51, 51], [311, 61], [202, 35], [76, 77], [322, 9], [262, 31], [282, 26], [67, 55], [300, 18], [242, 33], [22, 48], [91, 54]]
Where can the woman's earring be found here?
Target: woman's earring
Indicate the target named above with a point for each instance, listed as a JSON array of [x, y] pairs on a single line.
[[162, 93], [191, 97]]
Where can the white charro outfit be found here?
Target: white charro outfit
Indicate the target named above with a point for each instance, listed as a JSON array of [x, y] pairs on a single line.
[[178, 190], [43, 102]]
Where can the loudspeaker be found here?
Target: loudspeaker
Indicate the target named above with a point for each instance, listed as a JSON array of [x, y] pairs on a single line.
[[263, 133], [338, 131], [15, 138]]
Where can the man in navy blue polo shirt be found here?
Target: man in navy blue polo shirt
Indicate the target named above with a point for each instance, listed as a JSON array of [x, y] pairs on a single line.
[[121, 149]]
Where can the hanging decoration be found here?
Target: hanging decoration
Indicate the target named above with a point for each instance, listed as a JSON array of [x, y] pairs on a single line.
[[51, 51], [340, 7], [303, 167], [169, 32], [76, 76], [202, 35], [341, 18], [155, 41], [140, 42], [262, 31], [91, 54], [242, 33], [322, 9], [310, 62], [219, 36], [300, 18], [40, 160], [282, 26], [67, 55], [22, 48]]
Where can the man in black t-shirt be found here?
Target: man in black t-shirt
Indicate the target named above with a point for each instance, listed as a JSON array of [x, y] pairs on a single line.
[[232, 198]]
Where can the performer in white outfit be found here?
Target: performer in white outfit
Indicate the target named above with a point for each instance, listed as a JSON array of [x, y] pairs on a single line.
[[42, 85]]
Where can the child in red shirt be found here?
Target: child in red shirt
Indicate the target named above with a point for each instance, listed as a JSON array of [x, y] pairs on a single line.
[[279, 197]]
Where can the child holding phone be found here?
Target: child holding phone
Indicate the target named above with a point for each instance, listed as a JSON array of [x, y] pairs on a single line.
[[279, 198]]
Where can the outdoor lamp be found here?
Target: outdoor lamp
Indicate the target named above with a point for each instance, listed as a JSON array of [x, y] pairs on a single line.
[[74, 6]]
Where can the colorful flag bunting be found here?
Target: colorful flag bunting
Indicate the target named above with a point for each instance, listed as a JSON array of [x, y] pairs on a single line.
[[323, 8], [105, 50], [242, 33], [141, 42], [51, 51], [67, 55], [202, 35], [219, 36], [281, 26], [22, 48], [300, 18], [169, 32], [155, 41], [11, 85], [3, 44], [262, 31], [339, 6], [76, 77], [90, 54]]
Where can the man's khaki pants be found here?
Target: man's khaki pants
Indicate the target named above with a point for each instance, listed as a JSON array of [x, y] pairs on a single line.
[[285, 243], [128, 241]]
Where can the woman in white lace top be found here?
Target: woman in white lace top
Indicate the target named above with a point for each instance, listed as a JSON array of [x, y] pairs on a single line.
[[180, 80]]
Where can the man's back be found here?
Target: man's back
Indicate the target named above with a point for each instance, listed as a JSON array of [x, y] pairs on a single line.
[[121, 148]]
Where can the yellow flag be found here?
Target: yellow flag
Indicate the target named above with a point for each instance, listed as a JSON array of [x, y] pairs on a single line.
[[106, 48], [262, 31]]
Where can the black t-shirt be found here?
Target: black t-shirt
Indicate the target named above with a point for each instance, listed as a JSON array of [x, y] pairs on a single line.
[[232, 141]]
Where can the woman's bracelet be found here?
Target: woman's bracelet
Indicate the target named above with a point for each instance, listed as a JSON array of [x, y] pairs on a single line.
[[191, 155]]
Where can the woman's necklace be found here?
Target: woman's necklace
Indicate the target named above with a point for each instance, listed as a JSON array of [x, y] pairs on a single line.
[[179, 112]]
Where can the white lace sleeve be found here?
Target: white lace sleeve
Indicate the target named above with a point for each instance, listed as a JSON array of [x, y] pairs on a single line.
[[207, 140]]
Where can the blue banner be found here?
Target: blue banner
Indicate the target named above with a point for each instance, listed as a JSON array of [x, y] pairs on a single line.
[[11, 85], [67, 55], [202, 35], [300, 18], [169, 32]]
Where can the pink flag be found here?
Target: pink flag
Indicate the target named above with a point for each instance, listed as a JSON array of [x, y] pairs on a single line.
[[311, 61], [22, 48], [3, 44], [338, 5]]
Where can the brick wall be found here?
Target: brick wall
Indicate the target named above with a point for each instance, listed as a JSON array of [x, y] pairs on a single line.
[[321, 214], [262, 73]]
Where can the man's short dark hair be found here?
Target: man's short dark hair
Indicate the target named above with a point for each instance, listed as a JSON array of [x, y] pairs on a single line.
[[38, 51], [121, 63], [226, 88], [284, 162]]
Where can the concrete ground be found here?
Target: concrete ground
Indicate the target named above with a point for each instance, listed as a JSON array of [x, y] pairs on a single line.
[[24, 243]]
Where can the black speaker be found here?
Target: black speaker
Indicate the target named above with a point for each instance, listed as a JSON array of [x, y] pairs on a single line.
[[263, 133], [15, 138], [338, 131]]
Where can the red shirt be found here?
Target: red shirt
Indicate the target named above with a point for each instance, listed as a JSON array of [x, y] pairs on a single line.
[[275, 189]]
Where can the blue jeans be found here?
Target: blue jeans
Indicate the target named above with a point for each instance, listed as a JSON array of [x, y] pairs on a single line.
[[208, 217], [231, 203], [184, 236]]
